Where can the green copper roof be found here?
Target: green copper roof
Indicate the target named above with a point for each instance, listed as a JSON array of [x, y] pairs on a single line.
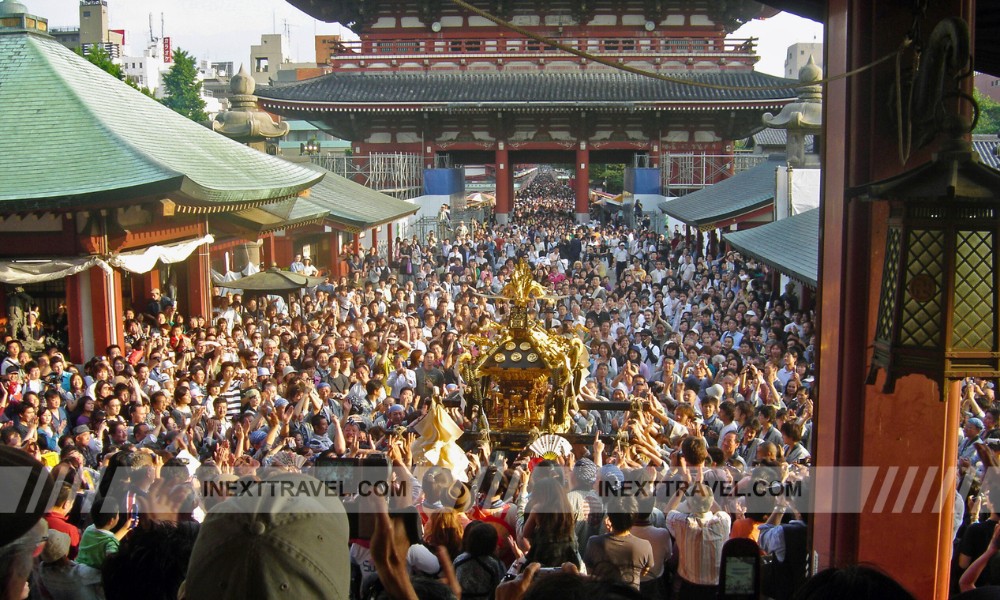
[[790, 245], [74, 136], [349, 203]]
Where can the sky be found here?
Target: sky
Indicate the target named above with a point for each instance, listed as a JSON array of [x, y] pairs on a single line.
[[224, 30]]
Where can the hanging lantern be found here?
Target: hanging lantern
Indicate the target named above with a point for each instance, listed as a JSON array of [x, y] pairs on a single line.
[[937, 312]]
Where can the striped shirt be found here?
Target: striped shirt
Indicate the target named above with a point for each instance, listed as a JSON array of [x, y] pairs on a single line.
[[699, 544], [233, 398]]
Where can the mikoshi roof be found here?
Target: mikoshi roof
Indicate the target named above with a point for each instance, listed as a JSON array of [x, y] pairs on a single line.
[[742, 193], [611, 90], [773, 242], [74, 136]]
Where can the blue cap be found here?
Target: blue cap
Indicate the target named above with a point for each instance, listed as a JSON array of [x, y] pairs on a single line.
[[257, 437], [612, 472]]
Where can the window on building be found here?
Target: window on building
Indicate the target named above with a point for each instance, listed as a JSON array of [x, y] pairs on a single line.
[[260, 65], [86, 14]]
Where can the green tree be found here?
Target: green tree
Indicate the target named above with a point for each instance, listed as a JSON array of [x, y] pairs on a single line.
[[611, 177], [183, 90], [99, 57], [989, 113]]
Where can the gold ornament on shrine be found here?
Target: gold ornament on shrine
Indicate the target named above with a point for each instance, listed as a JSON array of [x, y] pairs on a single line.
[[525, 376]]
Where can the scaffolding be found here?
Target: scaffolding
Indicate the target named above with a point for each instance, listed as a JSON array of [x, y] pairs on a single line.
[[400, 175], [685, 173]]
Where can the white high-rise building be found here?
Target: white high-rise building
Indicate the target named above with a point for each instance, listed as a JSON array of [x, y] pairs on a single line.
[[147, 69], [798, 55]]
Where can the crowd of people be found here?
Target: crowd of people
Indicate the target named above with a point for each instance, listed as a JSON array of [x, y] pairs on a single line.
[[152, 446]]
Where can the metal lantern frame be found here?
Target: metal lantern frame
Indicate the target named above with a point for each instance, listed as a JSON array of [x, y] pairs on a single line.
[[937, 311]]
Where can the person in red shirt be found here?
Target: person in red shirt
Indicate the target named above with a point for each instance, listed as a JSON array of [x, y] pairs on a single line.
[[57, 518]]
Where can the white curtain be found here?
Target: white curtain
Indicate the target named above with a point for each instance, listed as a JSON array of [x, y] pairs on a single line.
[[139, 261], [218, 279]]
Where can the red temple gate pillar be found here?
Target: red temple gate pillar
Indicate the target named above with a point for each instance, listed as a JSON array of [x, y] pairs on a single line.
[[505, 185], [582, 184], [142, 285]]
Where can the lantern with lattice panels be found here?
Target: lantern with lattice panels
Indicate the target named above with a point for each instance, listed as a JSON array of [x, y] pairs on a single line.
[[937, 312]]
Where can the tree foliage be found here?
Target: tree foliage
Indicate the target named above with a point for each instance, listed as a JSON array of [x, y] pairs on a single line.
[[989, 113], [99, 57], [183, 90], [610, 177]]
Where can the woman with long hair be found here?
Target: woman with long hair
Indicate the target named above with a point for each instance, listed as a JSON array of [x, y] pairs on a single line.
[[604, 354], [549, 525]]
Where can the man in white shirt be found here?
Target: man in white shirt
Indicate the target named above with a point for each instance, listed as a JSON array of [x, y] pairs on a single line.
[[401, 377]]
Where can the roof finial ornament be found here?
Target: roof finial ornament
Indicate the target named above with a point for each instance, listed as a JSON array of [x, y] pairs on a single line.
[[244, 121]]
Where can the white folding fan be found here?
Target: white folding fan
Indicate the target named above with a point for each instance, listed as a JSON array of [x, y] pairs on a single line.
[[551, 446]]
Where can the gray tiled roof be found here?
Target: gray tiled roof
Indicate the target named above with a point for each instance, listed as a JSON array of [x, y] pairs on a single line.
[[742, 193], [457, 88], [777, 138], [74, 135], [774, 242], [986, 146]]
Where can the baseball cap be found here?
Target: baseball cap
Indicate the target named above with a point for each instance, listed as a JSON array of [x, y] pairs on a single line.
[[56, 547], [272, 545], [585, 470], [977, 422], [613, 476]]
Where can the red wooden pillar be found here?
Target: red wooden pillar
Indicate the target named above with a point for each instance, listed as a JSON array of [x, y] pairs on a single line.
[[199, 288], [504, 177], [388, 241], [356, 243], [851, 417], [268, 249], [374, 236], [336, 264], [582, 184], [103, 312], [142, 285], [284, 250]]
